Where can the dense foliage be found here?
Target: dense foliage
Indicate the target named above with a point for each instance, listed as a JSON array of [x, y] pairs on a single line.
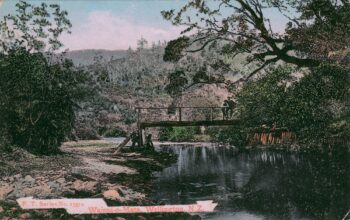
[[315, 32], [177, 81], [38, 90], [36, 28], [178, 133], [37, 100], [235, 135], [315, 106]]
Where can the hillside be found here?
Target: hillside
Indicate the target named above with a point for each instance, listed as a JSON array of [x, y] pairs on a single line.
[[137, 78], [88, 57]]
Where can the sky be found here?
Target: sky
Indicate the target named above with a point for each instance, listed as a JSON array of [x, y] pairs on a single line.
[[116, 24]]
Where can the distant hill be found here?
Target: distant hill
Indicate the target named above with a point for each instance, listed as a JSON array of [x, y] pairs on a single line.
[[88, 57], [131, 78]]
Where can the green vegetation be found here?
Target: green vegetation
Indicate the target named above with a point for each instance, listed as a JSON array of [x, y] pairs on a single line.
[[38, 100], [37, 94], [35, 28], [234, 135], [178, 133], [314, 106], [111, 132], [40, 92], [315, 29]]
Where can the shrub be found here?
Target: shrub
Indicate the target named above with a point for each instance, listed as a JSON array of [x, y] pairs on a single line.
[[315, 107], [178, 133], [234, 135], [37, 100]]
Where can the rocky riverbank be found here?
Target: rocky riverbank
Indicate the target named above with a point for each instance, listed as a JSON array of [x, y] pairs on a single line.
[[85, 169]]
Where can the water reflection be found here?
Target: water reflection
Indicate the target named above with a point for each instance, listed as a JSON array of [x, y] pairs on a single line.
[[257, 184]]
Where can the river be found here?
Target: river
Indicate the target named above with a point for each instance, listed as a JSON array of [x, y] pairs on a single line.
[[256, 184]]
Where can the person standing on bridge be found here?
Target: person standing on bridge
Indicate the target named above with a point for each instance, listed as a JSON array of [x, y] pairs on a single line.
[[224, 110], [231, 107]]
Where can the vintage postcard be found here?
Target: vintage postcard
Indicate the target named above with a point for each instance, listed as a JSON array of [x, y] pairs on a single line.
[[175, 109]]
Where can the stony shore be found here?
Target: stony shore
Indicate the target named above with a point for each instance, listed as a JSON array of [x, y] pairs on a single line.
[[85, 169]]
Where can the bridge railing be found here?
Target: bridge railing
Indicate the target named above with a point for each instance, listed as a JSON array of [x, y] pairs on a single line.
[[210, 113]]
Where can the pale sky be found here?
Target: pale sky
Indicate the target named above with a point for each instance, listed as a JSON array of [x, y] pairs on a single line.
[[116, 24]]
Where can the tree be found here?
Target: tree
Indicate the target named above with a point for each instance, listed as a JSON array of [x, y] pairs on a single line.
[[142, 44], [314, 106], [37, 100], [177, 81], [38, 92], [263, 102], [36, 28], [315, 29]]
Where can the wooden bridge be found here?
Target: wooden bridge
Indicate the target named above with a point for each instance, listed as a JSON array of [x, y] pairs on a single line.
[[179, 117]]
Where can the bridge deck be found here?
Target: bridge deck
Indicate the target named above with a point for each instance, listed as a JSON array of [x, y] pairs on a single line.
[[210, 111], [144, 125]]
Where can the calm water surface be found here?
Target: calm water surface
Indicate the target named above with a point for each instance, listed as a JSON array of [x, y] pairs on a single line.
[[257, 184]]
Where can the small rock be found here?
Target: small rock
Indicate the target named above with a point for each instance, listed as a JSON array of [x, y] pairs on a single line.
[[1, 210], [18, 184], [29, 178], [28, 181], [18, 176], [87, 186], [61, 180], [54, 186], [142, 217], [44, 190], [15, 194], [29, 191], [111, 194], [120, 218], [46, 213], [25, 216], [4, 191]]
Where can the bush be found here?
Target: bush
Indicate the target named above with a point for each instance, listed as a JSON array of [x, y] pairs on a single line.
[[315, 107], [178, 133], [234, 135], [37, 100], [111, 132]]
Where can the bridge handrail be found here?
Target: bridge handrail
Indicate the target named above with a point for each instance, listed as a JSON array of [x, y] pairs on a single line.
[[143, 124], [179, 108], [188, 107]]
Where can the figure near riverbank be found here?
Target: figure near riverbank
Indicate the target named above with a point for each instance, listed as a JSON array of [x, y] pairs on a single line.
[[228, 108]]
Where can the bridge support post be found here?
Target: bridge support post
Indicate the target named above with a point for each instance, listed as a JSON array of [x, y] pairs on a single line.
[[180, 114], [140, 130]]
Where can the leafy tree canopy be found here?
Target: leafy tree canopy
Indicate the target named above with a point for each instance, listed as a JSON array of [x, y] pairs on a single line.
[[177, 81], [316, 28], [36, 28]]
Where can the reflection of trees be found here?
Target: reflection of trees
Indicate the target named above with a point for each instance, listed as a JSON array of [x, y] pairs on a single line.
[[273, 184], [317, 187]]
